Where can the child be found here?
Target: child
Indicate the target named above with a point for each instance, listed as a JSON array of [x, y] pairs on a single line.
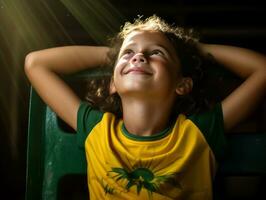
[[152, 149]]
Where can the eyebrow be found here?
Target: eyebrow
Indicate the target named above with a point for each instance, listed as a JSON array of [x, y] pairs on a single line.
[[153, 45], [163, 47]]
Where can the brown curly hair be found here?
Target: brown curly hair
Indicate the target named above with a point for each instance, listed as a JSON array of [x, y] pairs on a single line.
[[185, 42]]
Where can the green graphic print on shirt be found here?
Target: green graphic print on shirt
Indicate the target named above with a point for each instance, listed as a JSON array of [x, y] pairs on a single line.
[[140, 177]]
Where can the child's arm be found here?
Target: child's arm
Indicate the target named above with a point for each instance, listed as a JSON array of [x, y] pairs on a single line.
[[44, 67], [248, 65]]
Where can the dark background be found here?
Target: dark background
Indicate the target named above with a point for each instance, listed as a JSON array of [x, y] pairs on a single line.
[[28, 25]]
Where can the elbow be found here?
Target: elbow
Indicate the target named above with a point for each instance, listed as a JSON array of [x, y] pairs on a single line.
[[30, 62]]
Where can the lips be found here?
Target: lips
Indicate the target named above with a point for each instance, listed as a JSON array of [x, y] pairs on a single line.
[[138, 70]]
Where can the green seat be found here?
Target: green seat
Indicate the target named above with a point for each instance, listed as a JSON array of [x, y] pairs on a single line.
[[246, 154], [54, 159], [241, 175], [53, 156]]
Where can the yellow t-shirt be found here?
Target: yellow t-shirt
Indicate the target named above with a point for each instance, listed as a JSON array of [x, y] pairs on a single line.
[[178, 163]]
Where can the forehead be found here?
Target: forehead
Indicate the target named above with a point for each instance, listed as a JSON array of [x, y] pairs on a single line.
[[148, 38]]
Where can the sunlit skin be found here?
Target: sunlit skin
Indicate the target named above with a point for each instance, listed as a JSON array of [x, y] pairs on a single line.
[[147, 62], [146, 77]]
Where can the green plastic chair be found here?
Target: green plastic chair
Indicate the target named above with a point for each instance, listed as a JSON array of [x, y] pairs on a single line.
[[241, 175], [53, 156], [56, 165]]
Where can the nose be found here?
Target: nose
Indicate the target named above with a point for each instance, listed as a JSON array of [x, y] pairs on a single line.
[[138, 58]]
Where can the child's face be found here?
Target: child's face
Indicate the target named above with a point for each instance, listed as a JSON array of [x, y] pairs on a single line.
[[147, 64]]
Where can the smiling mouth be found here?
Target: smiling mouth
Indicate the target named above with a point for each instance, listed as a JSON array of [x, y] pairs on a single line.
[[138, 70]]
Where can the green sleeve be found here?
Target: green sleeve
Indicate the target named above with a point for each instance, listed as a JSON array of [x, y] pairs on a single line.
[[211, 124], [86, 120]]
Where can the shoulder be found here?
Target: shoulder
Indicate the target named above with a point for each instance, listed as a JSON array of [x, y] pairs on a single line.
[[211, 125], [87, 118]]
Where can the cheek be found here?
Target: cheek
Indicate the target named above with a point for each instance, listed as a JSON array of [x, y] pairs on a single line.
[[168, 68], [118, 70], [115, 73], [175, 71], [170, 75], [119, 66], [120, 63]]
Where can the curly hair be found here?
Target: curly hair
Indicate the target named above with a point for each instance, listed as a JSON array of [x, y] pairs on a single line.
[[193, 64]]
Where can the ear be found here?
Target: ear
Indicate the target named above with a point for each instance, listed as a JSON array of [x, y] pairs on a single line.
[[184, 86], [112, 88]]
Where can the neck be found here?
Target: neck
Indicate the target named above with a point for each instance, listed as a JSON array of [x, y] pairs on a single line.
[[146, 118]]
